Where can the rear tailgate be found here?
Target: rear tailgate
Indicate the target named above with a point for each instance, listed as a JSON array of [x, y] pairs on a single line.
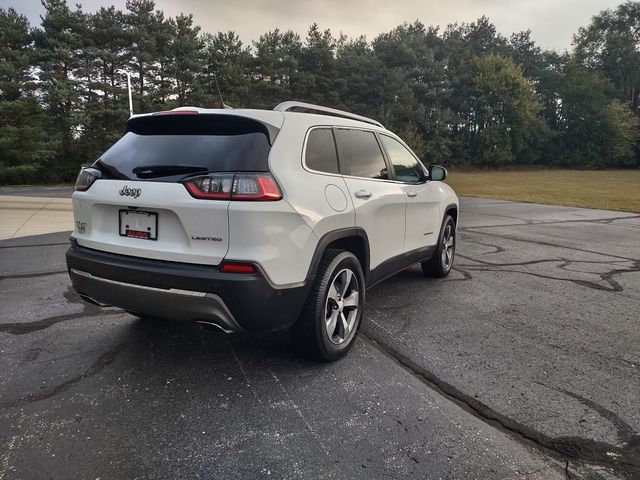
[[139, 205], [188, 230]]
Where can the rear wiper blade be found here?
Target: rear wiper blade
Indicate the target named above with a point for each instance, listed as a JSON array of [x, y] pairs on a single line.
[[109, 171], [150, 171]]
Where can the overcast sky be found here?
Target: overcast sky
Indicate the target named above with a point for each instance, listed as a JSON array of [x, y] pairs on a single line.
[[553, 22]]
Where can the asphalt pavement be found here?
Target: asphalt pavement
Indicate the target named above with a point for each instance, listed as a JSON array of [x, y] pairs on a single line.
[[523, 364]]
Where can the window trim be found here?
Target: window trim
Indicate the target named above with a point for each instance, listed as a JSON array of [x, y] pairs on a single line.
[[342, 170]]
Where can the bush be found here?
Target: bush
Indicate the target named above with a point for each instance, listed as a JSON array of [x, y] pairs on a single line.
[[20, 175]]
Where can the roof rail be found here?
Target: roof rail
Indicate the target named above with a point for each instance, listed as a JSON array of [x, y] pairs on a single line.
[[302, 107]]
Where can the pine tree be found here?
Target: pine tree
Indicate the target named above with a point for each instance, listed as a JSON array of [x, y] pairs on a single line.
[[25, 146]]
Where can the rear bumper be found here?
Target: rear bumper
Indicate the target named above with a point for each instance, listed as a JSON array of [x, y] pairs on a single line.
[[181, 291]]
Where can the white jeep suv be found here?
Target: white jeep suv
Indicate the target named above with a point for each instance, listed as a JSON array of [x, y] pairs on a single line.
[[257, 220]]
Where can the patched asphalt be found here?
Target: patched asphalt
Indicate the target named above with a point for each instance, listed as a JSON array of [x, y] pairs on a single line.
[[524, 363]]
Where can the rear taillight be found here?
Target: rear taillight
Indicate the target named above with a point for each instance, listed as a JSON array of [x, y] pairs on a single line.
[[255, 187], [214, 187], [239, 186], [86, 177]]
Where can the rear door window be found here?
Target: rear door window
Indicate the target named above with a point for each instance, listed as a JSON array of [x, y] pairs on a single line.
[[361, 154], [320, 154], [197, 143]]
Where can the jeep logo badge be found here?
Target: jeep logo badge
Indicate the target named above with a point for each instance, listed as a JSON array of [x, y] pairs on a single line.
[[131, 192]]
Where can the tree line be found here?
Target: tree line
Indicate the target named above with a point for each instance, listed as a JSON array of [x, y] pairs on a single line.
[[463, 95]]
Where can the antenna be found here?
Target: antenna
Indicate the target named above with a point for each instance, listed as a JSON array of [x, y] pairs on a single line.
[[222, 104]]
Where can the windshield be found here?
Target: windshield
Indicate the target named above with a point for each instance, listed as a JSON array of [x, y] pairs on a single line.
[[170, 147]]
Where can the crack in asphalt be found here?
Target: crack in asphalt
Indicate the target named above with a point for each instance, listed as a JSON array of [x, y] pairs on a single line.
[[601, 221], [498, 248], [624, 459], [31, 275], [30, 327], [527, 221], [101, 362], [465, 275], [2, 247], [544, 260], [567, 474], [89, 310], [625, 432], [606, 277], [547, 244]]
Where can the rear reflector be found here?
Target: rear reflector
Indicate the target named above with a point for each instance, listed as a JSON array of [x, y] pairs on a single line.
[[231, 267], [239, 186]]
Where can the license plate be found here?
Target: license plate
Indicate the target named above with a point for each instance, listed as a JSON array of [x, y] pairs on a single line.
[[139, 224]]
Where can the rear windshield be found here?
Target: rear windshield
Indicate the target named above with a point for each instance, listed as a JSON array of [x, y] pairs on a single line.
[[194, 144]]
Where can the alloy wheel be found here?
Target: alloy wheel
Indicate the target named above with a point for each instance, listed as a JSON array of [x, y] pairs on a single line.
[[448, 246], [341, 308]]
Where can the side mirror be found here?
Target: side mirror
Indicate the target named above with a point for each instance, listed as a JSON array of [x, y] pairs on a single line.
[[437, 173]]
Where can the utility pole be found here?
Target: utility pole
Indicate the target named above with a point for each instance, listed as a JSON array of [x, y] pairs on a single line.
[[130, 99]]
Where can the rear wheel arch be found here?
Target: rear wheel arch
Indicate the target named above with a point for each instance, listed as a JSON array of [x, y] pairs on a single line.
[[354, 240]]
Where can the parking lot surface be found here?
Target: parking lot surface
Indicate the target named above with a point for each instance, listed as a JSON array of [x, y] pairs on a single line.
[[524, 363]]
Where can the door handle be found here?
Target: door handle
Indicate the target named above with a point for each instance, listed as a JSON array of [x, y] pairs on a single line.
[[363, 194], [412, 194]]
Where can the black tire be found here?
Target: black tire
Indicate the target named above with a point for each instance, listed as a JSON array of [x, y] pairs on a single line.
[[440, 264], [310, 332]]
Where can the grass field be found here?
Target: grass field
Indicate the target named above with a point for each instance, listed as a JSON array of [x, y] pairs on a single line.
[[608, 190]]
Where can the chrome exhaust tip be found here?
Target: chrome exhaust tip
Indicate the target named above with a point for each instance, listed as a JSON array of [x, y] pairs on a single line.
[[88, 299], [214, 326]]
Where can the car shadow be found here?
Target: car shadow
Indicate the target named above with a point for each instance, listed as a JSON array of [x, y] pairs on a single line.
[[169, 341]]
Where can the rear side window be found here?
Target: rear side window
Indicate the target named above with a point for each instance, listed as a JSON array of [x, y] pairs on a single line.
[[321, 153], [167, 147], [406, 166], [360, 152]]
